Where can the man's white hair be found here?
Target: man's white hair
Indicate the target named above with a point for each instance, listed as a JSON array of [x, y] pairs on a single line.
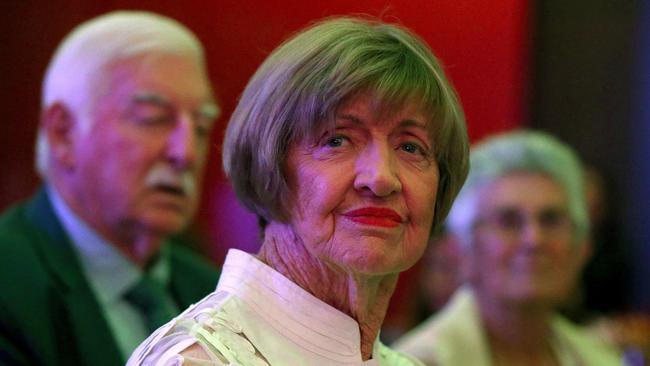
[[76, 71]]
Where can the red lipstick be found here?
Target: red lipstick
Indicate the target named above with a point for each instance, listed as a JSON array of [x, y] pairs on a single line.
[[375, 216]]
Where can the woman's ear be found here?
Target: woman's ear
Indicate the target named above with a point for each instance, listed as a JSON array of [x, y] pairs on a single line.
[[466, 262], [58, 123], [584, 251]]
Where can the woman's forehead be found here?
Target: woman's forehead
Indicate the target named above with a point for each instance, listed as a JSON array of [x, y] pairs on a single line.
[[513, 189], [383, 108], [376, 105]]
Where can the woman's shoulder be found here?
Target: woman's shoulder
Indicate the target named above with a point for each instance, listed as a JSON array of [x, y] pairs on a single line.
[[205, 334], [445, 337], [391, 357], [589, 348]]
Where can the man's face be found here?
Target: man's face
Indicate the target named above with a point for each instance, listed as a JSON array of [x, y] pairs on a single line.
[[138, 168]]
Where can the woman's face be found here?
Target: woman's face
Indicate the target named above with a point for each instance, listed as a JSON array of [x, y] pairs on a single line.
[[524, 248], [364, 192]]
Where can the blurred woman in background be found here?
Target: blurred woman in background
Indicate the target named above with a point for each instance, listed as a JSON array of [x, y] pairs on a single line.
[[522, 222]]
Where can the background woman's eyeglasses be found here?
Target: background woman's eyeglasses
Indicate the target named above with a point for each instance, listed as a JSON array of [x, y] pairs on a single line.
[[511, 222]]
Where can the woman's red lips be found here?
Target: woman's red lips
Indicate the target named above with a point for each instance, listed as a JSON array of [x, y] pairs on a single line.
[[376, 216]]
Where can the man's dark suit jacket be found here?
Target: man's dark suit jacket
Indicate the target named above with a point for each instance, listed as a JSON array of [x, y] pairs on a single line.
[[48, 313]]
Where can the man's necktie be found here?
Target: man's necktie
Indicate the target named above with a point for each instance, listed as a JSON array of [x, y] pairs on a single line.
[[150, 297]]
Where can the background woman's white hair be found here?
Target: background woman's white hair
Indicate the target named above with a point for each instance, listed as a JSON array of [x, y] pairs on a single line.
[[526, 151], [76, 71]]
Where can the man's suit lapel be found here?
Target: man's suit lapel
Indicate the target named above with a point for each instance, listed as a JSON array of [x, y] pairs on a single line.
[[191, 278], [77, 310]]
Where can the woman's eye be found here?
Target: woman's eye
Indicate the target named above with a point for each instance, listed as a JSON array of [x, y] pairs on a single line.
[[412, 148], [335, 141]]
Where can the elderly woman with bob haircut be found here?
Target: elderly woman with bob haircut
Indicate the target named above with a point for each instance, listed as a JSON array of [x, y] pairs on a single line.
[[522, 223], [350, 145]]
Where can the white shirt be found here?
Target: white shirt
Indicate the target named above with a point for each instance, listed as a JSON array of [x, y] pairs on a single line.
[[456, 336], [259, 317], [110, 275]]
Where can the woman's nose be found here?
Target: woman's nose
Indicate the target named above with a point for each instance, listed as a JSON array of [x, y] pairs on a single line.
[[376, 171], [532, 233]]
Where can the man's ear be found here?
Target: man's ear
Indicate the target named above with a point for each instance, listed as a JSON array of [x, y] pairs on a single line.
[[59, 126]]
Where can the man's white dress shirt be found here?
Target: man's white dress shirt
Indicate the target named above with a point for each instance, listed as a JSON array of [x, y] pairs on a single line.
[[110, 275]]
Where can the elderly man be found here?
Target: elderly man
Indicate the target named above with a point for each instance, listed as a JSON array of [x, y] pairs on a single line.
[[88, 266], [521, 220]]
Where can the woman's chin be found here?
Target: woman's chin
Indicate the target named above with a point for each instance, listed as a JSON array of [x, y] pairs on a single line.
[[372, 263]]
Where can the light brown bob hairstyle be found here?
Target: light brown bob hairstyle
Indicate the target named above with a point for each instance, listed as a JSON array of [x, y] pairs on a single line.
[[296, 91]]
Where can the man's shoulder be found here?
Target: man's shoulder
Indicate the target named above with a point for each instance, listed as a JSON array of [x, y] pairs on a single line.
[[25, 281], [18, 235], [13, 221], [28, 220], [26, 250]]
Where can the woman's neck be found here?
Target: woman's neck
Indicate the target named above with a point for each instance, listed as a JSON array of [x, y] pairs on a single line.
[[364, 298], [518, 334]]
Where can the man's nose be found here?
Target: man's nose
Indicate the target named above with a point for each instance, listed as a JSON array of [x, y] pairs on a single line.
[[376, 171], [182, 144]]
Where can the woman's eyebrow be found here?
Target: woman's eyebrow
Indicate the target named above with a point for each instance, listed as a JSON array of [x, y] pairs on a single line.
[[406, 123], [349, 118], [409, 122]]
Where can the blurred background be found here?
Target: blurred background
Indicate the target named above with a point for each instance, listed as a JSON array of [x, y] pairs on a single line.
[[577, 69]]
